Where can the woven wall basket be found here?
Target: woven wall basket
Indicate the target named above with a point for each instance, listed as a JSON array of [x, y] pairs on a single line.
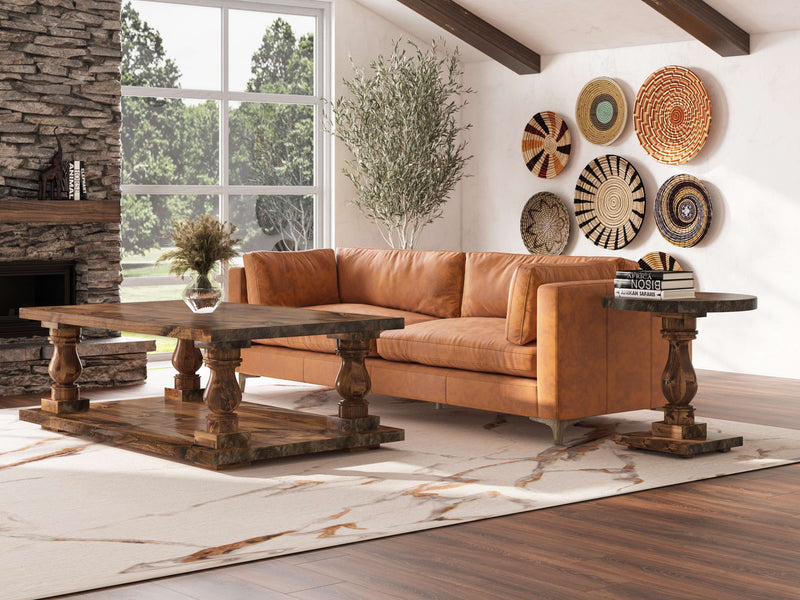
[[683, 210], [546, 144], [601, 111], [610, 202], [672, 115], [659, 261], [544, 224]]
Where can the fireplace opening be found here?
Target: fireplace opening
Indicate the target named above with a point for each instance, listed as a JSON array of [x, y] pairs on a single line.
[[32, 283]]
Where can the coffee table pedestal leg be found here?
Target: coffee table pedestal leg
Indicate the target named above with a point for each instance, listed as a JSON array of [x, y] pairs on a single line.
[[186, 359], [678, 433], [222, 398], [65, 368], [353, 383]]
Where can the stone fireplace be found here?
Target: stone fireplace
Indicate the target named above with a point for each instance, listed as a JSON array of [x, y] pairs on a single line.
[[60, 85], [91, 251], [32, 283]]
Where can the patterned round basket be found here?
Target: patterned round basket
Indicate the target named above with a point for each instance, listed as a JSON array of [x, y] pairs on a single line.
[[546, 144], [601, 111], [544, 224], [610, 202], [659, 261], [683, 210], [672, 115]]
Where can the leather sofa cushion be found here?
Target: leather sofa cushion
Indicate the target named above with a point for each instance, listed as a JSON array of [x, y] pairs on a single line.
[[421, 281], [521, 312], [300, 278], [473, 344], [487, 277], [322, 343]]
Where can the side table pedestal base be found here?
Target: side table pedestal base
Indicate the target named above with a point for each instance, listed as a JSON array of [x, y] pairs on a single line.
[[645, 440]]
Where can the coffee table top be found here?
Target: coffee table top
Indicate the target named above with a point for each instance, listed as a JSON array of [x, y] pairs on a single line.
[[702, 303], [230, 322]]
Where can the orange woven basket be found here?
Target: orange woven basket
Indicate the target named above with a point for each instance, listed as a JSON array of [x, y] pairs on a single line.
[[546, 144], [672, 115]]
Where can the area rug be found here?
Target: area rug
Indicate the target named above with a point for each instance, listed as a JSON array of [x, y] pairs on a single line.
[[76, 515]]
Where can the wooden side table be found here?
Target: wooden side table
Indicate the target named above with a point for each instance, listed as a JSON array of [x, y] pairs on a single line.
[[678, 433]]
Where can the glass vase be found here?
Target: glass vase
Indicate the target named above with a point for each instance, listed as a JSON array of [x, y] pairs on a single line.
[[202, 295]]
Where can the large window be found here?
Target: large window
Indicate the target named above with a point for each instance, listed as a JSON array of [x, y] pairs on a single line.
[[221, 115]]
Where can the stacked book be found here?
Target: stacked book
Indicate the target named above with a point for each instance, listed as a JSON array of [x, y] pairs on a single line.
[[656, 285], [75, 174]]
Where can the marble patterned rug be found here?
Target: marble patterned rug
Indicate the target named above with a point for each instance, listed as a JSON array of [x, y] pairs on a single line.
[[75, 515]]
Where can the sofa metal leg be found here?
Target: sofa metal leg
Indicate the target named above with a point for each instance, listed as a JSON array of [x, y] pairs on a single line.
[[243, 377], [438, 406], [557, 426]]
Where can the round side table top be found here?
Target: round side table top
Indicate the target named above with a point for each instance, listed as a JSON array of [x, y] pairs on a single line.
[[702, 303]]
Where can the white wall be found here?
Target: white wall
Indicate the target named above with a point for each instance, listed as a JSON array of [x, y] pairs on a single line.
[[750, 165], [363, 35]]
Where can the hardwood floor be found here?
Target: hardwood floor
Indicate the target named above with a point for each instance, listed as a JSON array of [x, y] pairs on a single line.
[[735, 537]]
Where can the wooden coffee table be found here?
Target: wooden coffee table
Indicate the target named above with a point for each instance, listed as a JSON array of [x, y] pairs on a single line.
[[678, 433], [211, 428]]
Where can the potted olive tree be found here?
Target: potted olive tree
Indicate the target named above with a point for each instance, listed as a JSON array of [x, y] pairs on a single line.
[[399, 122]]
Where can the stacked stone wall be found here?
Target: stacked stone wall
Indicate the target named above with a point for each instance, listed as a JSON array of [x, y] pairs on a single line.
[[60, 83], [59, 75]]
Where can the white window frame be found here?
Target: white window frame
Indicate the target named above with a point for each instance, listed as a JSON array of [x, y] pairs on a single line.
[[321, 190]]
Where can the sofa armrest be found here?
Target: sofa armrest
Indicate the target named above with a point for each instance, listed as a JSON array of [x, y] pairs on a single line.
[[237, 285], [592, 360]]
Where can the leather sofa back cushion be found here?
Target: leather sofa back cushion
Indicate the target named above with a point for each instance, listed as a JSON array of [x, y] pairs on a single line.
[[487, 277], [521, 312], [302, 278], [422, 281]]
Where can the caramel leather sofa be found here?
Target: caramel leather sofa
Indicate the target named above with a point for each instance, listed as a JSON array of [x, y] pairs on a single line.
[[509, 333]]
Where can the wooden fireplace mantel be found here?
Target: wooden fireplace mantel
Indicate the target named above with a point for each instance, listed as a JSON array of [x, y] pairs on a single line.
[[61, 212]]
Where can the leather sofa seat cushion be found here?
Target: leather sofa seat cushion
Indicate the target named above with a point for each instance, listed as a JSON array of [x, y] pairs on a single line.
[[521, 312], [302, 278], [487, 277], [421, 281], [322, 343], [473, 344]]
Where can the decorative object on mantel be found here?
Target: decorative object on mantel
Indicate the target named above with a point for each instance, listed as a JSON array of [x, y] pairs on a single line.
[[546, 144], [601, 111], [610, 202], [683, 210], [544, 224], [199, 246], [672, 115], [659, 261], [53, 180]]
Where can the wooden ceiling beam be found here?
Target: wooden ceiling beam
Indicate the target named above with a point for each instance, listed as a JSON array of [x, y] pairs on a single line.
[[478, 33], [707, 25]]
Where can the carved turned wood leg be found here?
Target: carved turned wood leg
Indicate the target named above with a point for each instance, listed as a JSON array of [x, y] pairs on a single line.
[[679, 381], [65, 368], [222, 398], [186, 359], [353, 382]]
